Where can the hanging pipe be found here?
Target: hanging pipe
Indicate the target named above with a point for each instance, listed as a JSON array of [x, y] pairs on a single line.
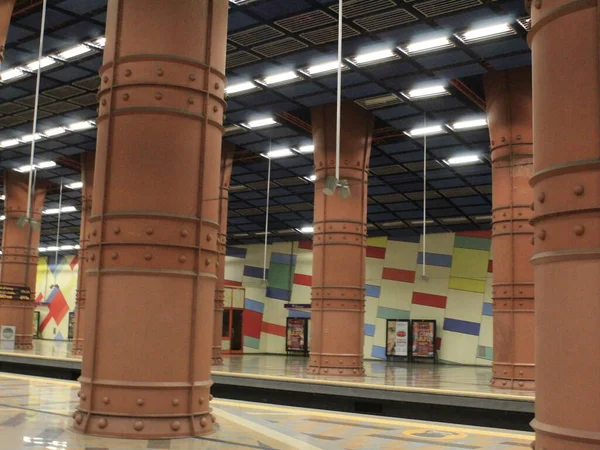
[[35, 108], [58, 226], [267, 216], [339, 96], [424, 195]]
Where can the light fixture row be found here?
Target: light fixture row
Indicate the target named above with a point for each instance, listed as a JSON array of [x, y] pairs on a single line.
[[62, 248], [376, 57], [49, 133]]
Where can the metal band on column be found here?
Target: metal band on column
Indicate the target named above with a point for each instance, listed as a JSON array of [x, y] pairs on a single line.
[[508, 100], [226, 166], [565, 44], [339, 243], [87, 177], [153, 246]]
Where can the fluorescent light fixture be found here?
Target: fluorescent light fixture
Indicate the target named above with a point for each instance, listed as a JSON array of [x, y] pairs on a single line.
[[431, 91], [469, 124], [321, 69], [420, 222], [260, 123], [41, 250], [80, 126], [75, 185], [428, 45], [64, 209], [46, 61], [10, 143], [55, 131], [305, 149], [74, 52], [240, 87], [31, 137], [465, 159], [3, 217], [312, 178], [494, 31], [53, 249], [307, 230], [280, 78], [373, 57], [12, 74], [100, 42], [2, 197], [67, 247], [279, 153], [433, 129], [46, 164]]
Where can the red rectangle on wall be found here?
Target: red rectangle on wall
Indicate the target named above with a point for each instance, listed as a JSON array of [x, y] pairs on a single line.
[[407, 276], [304, 280], [305, 245], [271, 328], [376, 252], [232, 283], [435, 301], [490, 266], [252, 323], [476, 233]]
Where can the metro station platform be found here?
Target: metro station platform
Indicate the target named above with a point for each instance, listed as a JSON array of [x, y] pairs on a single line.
[[36, 413], [445, 393]]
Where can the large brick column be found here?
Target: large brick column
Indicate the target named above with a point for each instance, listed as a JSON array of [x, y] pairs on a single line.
[[6, 9], [339, 242], [508, 100], [87, 176], [154, 227], [565, 43]]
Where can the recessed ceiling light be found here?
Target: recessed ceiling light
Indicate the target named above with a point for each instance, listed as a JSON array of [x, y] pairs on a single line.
[[10, 143], [31, 137], [379, 56], [54, 131], [75, 52], [240, 87], [429, 45], [307, 230], [433, 129], [469, 124], [279, 153], [482, 33], [260, 123], [80, 126], [46, 61], [75, 185], [280, 78], [12, 74], [64, 209], [306, 149], [322, 69], [426, 92], [465, 159]]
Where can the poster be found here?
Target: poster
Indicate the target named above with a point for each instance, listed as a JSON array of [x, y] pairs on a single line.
[[296, 335], [423, 335], [397, 338]]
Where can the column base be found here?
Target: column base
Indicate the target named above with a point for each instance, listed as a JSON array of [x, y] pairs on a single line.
[[552, 437], [131, 427], [77, 349], [337, 371], [24, 342], [217, 361], [517, 385]]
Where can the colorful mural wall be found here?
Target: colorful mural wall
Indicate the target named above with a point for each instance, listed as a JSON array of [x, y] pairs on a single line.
[[56, 285], [455, 291]]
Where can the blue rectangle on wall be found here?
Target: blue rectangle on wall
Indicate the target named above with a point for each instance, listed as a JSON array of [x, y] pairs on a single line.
[[294, 313], [487, 309], [254, 272], [372, 290], [378, 352], [369, 330], [279, 294], [253, 305], [462, 326], [236, 252], [435, 259], [283, 258]]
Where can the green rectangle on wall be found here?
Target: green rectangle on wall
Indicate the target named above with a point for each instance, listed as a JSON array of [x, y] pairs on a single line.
[[473, 243], [391, 313], [280, 276], [251, 342]]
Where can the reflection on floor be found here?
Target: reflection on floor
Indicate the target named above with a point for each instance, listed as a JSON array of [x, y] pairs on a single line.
[[35, 413], [422, 377]]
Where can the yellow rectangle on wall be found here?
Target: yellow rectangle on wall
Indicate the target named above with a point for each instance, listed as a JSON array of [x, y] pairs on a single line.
[[467, 284]]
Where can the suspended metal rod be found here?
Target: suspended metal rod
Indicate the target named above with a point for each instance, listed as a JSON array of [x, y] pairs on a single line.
[[267, 216], [339, 95], [424, 196], [60, 195]]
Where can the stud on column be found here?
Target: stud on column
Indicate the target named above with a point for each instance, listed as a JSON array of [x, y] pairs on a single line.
[[339, 240]]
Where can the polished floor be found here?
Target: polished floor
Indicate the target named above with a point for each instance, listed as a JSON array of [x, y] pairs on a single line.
[[35, 413], [415, 377]]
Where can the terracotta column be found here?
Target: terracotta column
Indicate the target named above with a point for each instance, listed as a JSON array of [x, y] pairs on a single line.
[[339, 242], [508, 100], [6, 10], [87, 177], [155, 222], [19, 259], [226, 166], [565, 43]]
